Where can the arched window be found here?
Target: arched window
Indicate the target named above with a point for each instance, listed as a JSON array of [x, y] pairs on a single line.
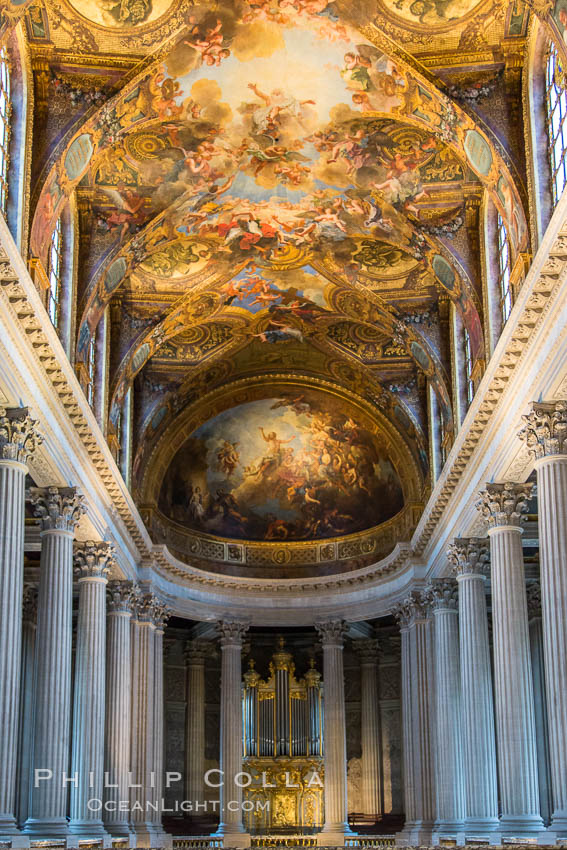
[[5, 110], [504, 268], [468, 364], [556, 105], [55, 264], [91, 369]]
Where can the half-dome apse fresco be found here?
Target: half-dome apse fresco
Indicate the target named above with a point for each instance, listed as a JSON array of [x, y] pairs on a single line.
[[293, 467]]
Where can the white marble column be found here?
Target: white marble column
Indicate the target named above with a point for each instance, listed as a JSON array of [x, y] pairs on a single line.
[[58, 510], [145, 801], [160, 615], [545, 434], [93, 561], [195, 653], [533, 592], [231, 749], [469, 557], [18, 439], [120, 603], [417, 707], [502, 507], [370, 728], [27, 703], [336, 826], [448, 742]]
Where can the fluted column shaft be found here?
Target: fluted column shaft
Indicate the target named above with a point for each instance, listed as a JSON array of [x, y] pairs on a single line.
[[195, 734], [159, 724], [552, 518], [59, 511], [540, 700], [503, 506], [118, 705], [27, 704], [334, 731], [450, 800], [231, 728], [479, 743], [17, 443], [370, 728], [87, 761], [53, 684]]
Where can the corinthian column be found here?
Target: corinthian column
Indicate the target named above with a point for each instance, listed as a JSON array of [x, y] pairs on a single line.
[[533, 592], [231, 826], [503, 506], [147, 720], [469, 556], [545, 433], [370, 727], [58, 510], [334, 735], [120, 603], [449, 784], [27, 703], [195, 652], [160, 616], [87, 762], [417, 705], [18, 439]]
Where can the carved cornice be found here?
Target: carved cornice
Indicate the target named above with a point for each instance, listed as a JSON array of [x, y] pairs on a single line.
[[545, 429], [533, 593], [29, 604], [232, 633], [469, 555], [443, 594], [93, 559], [121, 597], [415, 607], [368, 650], [332, 633], [504, 504], [57, 508], [18, 434]]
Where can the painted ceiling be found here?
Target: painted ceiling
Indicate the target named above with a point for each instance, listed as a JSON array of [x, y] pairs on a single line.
[[276, 189]]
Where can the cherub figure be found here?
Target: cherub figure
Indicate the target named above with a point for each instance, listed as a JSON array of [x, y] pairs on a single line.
[[210, 46]]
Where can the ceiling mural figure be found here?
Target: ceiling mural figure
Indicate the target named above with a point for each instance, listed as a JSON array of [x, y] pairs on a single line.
[[282, 468]]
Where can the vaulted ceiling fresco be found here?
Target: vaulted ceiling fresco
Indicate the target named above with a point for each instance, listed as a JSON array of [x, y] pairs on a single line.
[[278, 190]]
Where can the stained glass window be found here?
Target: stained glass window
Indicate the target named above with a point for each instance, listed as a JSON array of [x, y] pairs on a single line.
[[91, 365], [468, 365], [556, 103], [5, 109]]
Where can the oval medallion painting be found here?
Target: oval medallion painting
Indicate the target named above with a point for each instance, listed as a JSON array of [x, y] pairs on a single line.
[[296, 467], [121, 13], [441, 14]]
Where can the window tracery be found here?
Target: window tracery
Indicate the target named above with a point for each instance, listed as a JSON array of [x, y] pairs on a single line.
[[556, 106]]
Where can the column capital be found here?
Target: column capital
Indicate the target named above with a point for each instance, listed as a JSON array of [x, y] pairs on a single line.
[[57, 508], [443, 594], [232, 633], [533, 594], [29, 603], [93, 559], [332, 633], [19, 437], [196, 651], [413, 608], [545, 429], [151, 609], [368, 650], [121, 597], [504, 504], [469, 555]]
